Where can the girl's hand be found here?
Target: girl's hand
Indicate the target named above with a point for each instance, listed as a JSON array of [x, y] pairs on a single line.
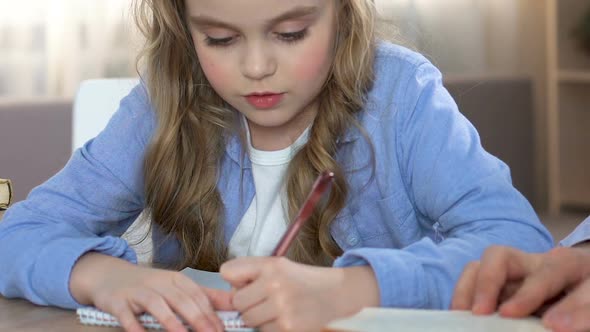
[[276, 294], [125, 290]]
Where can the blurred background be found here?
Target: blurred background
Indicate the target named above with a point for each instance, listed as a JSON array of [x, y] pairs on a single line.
[[518, 69]]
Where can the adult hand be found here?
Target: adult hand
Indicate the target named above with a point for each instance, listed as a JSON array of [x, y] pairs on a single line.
[[276, 294], [125, 290], [518, 284]]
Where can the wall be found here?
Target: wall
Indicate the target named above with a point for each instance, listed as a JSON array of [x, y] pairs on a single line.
[[495, 39]]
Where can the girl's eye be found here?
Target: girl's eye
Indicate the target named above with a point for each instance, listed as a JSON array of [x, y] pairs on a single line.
[[291, 37], [219, 41]]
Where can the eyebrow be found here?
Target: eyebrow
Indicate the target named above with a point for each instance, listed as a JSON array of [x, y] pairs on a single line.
[[294, 13]]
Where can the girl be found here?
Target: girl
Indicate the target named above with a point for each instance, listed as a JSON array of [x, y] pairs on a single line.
[[242, 104]]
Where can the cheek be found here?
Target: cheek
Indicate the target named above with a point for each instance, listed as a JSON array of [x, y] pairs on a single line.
[[313, 63], [216, 73]]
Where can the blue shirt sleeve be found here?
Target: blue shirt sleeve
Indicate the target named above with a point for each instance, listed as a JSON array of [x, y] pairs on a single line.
[[463, 192], [85, 207], [580, 234]]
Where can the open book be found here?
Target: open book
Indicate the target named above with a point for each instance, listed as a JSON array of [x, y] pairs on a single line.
[[230, 319], [409, 320]]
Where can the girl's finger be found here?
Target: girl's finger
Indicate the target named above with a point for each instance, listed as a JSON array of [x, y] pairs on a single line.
[[269, 327], [155, 304], [201, 297], [254, 294], [125, 316], [220, 299], [190, 309], [260, 314], [197, 294], [240, 271], [207, 310]]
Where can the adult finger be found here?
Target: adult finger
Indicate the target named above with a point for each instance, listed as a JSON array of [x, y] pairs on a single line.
[[577, 320], [509, 289], [577, 299], [464, 291], [498, 266], [556, 274]]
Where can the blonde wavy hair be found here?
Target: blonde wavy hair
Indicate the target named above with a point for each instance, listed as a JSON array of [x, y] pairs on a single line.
[[182, 162]]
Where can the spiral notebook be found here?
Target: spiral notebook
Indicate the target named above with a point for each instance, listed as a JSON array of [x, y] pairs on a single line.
[[93, 316]]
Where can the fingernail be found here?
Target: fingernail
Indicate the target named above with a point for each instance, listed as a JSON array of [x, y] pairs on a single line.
[[561, 320], [478, 308], [479, 303], [509, 307]]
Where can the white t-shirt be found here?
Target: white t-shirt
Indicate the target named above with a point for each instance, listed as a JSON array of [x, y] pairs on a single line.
[[265, 221]]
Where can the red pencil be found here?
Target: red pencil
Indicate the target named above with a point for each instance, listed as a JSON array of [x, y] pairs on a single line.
[[322, 183]]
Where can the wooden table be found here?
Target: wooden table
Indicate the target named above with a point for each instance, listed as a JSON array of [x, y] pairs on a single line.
[[21, 315]]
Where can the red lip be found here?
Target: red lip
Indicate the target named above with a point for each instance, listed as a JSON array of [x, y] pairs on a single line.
[[264, 100]]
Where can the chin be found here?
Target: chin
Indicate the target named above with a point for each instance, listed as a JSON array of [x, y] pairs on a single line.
[[269, 123], [269, 119]]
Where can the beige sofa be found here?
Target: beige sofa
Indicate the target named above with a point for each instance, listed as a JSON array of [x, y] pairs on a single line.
[[36, 136]]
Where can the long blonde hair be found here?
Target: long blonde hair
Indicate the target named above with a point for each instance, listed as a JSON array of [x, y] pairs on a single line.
[[182, 162]]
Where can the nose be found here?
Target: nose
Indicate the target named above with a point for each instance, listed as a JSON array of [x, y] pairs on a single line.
[[258, 62]]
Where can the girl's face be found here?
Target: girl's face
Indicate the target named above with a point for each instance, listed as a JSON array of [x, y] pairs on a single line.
[[267, 58]]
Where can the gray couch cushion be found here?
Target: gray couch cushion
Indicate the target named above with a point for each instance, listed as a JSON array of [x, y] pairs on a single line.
[[35, 140], [502, 112]]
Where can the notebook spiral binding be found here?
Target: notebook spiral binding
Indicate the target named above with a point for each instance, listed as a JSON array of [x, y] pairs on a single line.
[[93, 316]]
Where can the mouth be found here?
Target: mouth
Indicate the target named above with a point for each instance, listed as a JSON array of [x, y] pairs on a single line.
[[264, 100]]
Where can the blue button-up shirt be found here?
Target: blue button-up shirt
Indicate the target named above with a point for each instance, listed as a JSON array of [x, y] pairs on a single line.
[[436, 199], [580, 234]]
